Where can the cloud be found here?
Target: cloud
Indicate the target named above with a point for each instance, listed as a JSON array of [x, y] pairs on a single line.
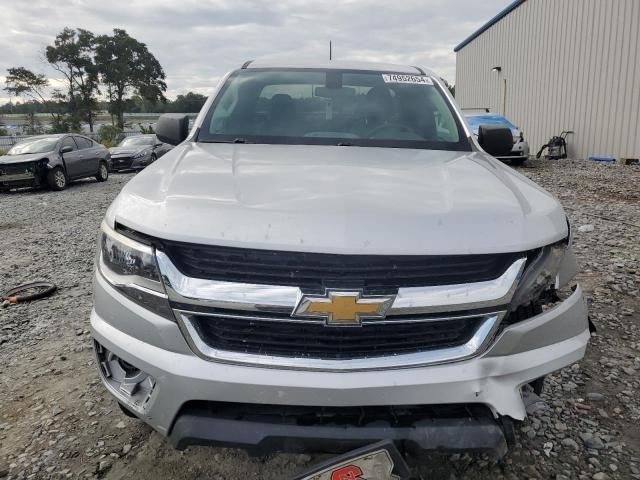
[[197, 41]]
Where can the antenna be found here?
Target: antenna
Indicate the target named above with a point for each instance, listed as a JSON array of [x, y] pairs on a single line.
[[330, 52]]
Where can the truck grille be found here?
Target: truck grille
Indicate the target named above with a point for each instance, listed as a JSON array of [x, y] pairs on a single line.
[[317, 271], [312, 340]]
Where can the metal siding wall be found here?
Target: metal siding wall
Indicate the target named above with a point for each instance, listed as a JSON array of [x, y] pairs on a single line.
[[569, 65]]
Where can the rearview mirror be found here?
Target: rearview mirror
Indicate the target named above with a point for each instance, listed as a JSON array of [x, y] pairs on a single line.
[[172, 128], [66, 149], [341, 92], [495, 140]]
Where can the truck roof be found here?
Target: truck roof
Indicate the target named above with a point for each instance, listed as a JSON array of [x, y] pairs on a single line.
[[337, 65]]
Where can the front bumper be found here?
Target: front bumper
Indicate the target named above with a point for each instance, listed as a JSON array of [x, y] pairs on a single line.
[[121, 163], [197, 427], [520, 151], [21, 175], [130, 163], [520, 353]]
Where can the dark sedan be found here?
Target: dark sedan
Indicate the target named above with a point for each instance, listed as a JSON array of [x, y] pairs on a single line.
[[53, 161], [136, 152]]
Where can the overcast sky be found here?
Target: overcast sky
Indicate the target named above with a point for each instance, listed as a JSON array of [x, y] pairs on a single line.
[[197, 41]]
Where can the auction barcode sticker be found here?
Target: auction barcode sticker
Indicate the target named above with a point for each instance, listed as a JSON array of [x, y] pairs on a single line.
[[400, 78]]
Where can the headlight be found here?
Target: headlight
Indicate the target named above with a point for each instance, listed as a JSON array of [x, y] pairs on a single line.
[[541, 274], [130, 266], [141, 154]]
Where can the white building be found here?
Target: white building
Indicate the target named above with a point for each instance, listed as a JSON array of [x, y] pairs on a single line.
[[553, 65]]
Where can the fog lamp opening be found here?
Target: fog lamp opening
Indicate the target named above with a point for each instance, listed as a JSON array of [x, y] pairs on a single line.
[[131, 385]]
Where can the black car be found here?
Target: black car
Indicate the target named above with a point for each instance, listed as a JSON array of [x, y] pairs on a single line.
[[53, 161], [136, 152]]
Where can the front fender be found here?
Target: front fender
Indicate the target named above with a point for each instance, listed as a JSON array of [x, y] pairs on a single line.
[[568, 269], [52, 163]]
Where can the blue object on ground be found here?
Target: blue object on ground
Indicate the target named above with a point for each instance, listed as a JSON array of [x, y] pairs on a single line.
[[602, 159]]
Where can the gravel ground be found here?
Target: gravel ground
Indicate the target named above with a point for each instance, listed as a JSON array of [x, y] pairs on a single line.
[[57, 421]]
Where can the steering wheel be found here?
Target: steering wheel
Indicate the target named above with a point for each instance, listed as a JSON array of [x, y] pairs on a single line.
[[389, 126]]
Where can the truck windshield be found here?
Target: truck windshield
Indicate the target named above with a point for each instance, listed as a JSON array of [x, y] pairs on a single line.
[[333, 107]]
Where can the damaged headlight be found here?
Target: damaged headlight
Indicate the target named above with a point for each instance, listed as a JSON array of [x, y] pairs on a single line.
[[130, 266], [540, 274], [552, 268]]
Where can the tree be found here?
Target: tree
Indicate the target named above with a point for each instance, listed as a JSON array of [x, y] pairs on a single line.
[[146, 130], [23, 82], [72, 55], [20, 81], [189, 103], [33, 125], [110, 136], [125, 65]]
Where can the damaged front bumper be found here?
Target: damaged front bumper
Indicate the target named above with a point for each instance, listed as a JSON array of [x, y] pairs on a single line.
[[23, 174], [519, 354]]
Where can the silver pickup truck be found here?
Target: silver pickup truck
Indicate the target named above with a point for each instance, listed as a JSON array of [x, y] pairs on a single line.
[[329, 257]]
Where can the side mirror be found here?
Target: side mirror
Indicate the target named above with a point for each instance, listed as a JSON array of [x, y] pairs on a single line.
[[495, 140], [172, 128], [66, 149]]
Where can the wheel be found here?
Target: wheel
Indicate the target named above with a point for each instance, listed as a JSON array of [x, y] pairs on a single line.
[[103, 172], [57, 179], [518, 162]]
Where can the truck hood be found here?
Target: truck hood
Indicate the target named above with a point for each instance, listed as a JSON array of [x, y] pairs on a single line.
[[29, 157], [330, 199]]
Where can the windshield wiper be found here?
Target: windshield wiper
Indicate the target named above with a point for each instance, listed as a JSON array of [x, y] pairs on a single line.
[[235, 140]]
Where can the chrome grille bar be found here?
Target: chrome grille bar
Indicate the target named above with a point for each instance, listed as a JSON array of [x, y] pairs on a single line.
[[474, 346], [283, 299]]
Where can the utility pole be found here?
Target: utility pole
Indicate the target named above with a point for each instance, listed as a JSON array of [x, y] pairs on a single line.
[[330, 52]]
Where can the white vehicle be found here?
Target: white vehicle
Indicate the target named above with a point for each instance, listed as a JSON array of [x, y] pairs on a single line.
[[329, 258], [520, 151]]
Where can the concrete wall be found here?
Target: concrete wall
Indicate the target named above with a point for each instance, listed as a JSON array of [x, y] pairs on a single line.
[[568, 65]]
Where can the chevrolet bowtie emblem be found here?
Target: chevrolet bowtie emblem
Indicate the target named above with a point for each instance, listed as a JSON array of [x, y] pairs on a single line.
[[343, 308]]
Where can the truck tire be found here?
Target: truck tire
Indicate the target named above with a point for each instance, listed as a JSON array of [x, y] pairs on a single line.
[[57, 179]]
